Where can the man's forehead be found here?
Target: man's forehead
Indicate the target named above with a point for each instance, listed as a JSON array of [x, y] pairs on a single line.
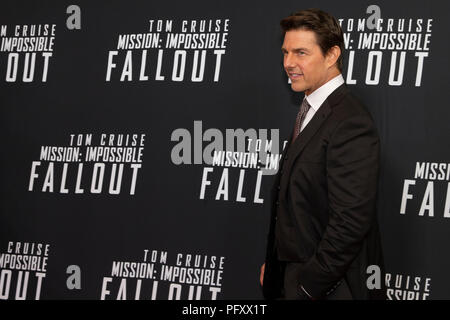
[[301, 36], [296, 40]]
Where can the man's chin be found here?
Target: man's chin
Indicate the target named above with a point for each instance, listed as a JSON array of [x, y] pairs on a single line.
[[297, 88]]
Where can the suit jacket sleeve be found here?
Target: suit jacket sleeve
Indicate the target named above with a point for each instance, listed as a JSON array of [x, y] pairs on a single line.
[[352, 176]]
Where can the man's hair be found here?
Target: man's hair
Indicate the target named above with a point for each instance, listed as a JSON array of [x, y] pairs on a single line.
[[325, 26]]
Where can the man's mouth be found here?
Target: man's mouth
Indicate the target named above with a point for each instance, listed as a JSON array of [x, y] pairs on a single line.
[[295, 76]]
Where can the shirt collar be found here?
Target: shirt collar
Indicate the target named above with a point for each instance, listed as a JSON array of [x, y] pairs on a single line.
[[319, 95]]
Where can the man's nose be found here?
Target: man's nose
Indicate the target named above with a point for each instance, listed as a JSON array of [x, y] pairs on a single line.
[[288, 61]]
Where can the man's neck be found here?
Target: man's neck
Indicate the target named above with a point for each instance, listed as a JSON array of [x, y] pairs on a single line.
[[331, 75]]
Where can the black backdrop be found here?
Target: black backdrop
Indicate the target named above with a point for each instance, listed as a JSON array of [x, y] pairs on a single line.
[[58, 242]]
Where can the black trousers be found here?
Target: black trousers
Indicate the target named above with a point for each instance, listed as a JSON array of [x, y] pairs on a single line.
[[291, 285]]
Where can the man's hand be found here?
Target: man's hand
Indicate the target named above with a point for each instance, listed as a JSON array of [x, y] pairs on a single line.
[[261, 276]]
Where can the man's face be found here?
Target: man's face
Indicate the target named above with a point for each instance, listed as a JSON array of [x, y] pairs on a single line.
[[304, 62]]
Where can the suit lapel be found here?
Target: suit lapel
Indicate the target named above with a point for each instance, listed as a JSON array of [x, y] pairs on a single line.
[[281, 162]]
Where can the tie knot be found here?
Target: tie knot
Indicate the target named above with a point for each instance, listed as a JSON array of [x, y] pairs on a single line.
[[305, 106]]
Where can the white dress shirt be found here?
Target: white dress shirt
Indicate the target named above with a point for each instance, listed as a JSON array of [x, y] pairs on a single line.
[[319, 95]]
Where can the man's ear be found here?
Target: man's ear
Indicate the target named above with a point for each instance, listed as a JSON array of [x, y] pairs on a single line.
[[333, 55]]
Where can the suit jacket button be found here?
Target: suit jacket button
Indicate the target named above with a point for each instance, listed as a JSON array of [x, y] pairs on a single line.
[[278, 188], [277, 203]]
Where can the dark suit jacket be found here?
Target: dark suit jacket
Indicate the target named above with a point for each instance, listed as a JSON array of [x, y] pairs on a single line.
[[323, 203]]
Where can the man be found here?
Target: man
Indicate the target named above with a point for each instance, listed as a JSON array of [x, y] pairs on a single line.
[[324, 232]]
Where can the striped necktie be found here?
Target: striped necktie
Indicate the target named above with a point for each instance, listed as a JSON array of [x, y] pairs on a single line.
[[300, 118]]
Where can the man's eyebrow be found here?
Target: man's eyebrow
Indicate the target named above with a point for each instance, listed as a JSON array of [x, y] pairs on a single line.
[[295, 49]]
